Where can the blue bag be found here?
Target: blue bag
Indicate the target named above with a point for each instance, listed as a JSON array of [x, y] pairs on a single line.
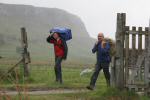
[[65, 33]]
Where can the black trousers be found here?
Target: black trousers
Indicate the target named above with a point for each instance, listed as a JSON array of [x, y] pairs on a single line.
[[98, 67], [57, 68]]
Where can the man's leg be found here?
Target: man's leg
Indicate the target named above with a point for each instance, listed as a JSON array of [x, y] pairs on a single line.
[[94, 76], [106, 73], [58, 68], [55, 68]]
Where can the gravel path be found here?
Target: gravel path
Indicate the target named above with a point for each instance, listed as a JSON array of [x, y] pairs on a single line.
[[44, 92]]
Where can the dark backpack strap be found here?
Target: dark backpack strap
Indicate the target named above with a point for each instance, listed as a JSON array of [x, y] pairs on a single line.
[[65, 49]]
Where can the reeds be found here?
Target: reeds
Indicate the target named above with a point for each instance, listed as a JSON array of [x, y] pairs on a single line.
[[20, 89]]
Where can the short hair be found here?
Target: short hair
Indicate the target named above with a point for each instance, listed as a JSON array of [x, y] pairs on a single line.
[[101, 34]]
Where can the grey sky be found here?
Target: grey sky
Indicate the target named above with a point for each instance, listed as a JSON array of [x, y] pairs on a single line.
[[98, 15]]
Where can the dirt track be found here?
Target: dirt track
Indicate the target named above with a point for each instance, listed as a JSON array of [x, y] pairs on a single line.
[[43, 92]]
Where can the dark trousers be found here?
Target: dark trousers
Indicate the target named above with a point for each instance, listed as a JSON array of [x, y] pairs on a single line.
[[57, 69], [98, 67]]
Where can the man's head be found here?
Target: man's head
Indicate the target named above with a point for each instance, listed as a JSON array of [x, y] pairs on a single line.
[[100, 36], [55, 35]]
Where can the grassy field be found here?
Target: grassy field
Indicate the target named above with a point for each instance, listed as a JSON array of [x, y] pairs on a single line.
[[43, 77], [101, 94]]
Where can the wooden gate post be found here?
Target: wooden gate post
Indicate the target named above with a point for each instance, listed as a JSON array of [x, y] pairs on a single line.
[[147, 56], [127, 54], [25, 54], [121, 18]]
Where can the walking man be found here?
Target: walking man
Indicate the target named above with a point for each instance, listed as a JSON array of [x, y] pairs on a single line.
[[102, 48], [60, 49]]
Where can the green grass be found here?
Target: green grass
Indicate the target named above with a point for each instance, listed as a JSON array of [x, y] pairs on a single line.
[[44, 77], [103, 93]]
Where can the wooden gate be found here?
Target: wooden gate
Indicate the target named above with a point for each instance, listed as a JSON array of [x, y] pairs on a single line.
[[131, 65]]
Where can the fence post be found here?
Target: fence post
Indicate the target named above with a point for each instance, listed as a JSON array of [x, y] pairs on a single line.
[[25, 54], [139, 40], [121, 18], [147, 56], [126, 54]]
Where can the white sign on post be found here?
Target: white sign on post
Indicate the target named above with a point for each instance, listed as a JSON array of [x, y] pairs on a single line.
[[20, 50]]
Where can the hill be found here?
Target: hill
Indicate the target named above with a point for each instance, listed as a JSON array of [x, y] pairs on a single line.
[[38, 21]]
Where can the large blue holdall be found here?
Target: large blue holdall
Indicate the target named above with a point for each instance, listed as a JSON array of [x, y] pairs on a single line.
[[65, 33]]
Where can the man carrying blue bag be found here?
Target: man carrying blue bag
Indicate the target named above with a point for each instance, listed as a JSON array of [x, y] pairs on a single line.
[[58, 37]]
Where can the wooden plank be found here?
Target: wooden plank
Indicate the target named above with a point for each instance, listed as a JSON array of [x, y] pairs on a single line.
[[136, 32], [139, 63], [133, 39], [133, 54], [147, 57], [126, 54], [120, 33], [140, 49], [140, 39]]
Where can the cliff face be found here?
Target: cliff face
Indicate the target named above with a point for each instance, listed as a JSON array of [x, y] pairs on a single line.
[[38, 21]]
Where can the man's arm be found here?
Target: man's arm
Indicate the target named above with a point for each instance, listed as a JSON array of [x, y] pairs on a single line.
[[50, 39], [95, 48]]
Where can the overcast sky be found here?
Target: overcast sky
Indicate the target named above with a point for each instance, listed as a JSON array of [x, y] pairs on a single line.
[[98, 15]]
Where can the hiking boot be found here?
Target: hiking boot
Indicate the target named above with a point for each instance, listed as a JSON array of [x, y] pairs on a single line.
[[90, 87], [56, 81], [59, 81]]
